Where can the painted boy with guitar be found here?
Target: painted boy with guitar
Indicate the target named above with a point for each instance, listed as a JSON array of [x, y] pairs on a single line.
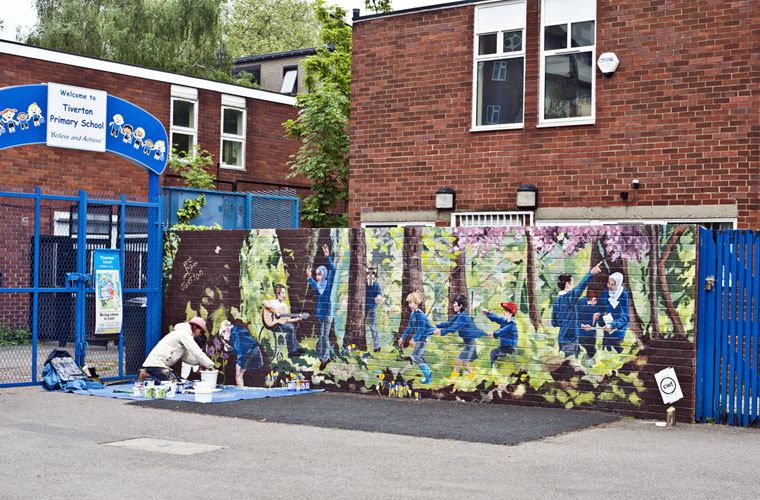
[[277, 319]]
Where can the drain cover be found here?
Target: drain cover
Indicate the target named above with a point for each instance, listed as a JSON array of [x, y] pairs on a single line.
[[164, 446]]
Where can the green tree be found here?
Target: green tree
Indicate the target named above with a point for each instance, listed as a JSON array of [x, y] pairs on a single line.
[[182, 36], [264, 26], [322, 123], [378, 5]]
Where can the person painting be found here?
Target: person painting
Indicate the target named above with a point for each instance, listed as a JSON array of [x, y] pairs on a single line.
[[565, 312], [242, 344], [323, 287], [180, 344], [373, 297], [588, 321], [462, 322], [420, 325], [279, 308], [507, 333], [616, 318]]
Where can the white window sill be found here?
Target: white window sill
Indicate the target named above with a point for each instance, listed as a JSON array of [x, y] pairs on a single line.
[[489, 128], [588, 121], [231, 167]]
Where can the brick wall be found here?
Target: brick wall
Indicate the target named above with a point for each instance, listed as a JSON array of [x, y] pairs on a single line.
[[227, 275], [680, 114]]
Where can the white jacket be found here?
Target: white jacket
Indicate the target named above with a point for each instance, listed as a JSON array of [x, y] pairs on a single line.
[[178, 345]]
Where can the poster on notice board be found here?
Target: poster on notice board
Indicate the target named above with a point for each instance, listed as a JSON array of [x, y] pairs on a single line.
[[108, 292]]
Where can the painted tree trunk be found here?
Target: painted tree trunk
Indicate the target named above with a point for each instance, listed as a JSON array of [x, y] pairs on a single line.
[[357, 290], [530, 278], [653, 233], [297, 248], [670, 308], [411, 274], [458, 279]]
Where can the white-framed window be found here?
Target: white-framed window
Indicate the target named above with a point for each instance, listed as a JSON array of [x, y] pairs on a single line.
[[567, 93], [289, 80], [233, 132], [184, 127], [492, 219], [498, 93]]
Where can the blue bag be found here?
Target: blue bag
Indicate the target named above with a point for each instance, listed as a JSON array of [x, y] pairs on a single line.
[[61, 372]]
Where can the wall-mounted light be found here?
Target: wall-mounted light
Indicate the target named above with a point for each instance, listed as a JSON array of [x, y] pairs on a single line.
[[527, 196], [445, 199]]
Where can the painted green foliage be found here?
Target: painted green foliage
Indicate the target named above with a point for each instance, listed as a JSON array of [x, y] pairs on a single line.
[[656, 268]]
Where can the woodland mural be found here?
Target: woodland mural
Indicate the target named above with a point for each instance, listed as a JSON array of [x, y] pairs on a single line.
[[577, 317]]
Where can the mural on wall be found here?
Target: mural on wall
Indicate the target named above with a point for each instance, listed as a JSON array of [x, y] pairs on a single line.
[[564, 316]]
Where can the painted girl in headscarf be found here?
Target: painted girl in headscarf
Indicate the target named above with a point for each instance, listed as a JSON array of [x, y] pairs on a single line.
[[616, 318], [323, 287]]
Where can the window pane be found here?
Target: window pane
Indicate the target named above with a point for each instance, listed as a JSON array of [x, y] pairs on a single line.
[[487, 44], [568, 86], [233, 122], [500, 92], [184, 114], [183, 143], [582, 34], [232, 153], [289, 82], [555, 37], [512, 41]]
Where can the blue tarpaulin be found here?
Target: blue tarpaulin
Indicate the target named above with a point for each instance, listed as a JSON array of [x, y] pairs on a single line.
[[227, 393]]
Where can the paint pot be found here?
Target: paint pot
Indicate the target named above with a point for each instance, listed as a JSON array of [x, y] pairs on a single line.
[[209, 376], [148, 389], [138, 390], [204, 392], [670, 417], [170, 389], [292, 385], [159, 391]]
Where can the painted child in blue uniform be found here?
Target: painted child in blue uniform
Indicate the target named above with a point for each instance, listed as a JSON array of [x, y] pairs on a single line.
[[462, 322], [248, 352], [588, 321], [507, 333], [565, 312], [422, 328], [323, 287], [616, 318], [373, 297]]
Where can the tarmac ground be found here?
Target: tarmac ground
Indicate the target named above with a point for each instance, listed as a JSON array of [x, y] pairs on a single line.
[[334, 446]]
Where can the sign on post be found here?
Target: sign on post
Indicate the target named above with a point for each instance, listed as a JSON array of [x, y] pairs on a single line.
[[667, 382], [108, 292]]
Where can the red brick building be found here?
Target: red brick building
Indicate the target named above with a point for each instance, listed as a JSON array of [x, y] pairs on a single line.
[[249, 148], [486, 97]]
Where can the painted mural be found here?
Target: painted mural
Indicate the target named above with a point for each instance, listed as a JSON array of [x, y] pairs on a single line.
[[576, 317]]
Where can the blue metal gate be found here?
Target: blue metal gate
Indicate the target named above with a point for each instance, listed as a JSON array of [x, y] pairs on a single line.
[[47, 295], [728, 328]]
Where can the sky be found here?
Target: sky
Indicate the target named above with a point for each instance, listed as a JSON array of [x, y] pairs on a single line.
[[22, 12]]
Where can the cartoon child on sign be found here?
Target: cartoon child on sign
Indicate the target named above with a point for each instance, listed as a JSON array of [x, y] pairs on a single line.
[[127, 131], [116, 124], [35, 113], [23, 120], [147, 146], [6, 117], [160, 149], [139, 136]]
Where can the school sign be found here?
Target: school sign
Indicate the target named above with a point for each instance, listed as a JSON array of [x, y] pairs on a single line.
[[78, 118]]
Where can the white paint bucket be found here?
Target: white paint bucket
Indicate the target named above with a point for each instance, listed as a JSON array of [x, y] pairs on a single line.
[[209, 376]]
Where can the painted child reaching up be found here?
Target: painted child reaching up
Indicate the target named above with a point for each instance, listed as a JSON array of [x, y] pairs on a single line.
[[422, 328], [507, 333]]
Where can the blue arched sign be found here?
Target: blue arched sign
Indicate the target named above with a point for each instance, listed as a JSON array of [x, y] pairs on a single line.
[[78, 118]]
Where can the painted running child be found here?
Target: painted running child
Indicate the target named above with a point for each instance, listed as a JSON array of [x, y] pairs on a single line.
[[323, 287], [507, 333], [422, 328], [462, 322], [565, 310]]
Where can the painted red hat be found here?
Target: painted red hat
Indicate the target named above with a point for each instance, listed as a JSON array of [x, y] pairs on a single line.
[[510, 306]]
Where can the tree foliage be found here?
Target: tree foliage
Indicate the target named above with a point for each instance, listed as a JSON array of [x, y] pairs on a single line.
[[181, 36], [264, 26], [378, 5], [322, 123]]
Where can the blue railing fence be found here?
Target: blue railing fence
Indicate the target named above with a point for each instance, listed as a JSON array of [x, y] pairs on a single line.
[[233, 210], [728, 328], [47, 296]]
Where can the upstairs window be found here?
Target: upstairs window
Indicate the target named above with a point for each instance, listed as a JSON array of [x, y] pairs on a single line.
[[184, 127], [289, 80], [568, 52], [499, 68], [233, 132]]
